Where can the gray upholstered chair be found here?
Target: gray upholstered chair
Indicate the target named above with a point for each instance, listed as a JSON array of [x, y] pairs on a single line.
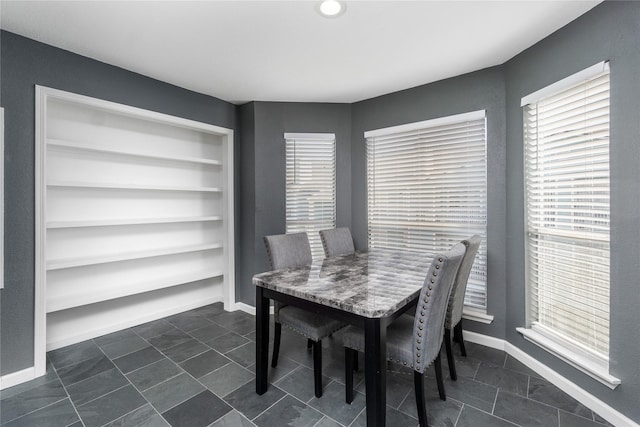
[[415, 341], [456, 303], [288, 251], [337, 241]]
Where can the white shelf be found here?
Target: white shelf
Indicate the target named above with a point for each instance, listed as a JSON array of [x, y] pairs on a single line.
[[57, 264], [77, 146], [64, 302], [69, 184], [140, 221]]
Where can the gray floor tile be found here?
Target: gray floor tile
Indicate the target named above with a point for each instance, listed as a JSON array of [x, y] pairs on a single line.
[[300, 384], [209, 332], [474, 393], [482, 354], [172, 392], [31, 400], [200, 410], [439, 412], [327, 422], [233, 419], [571, 420], [111, 406], [58, 414], [289, 411], [96, 386], [250, 404], [50, 375], [138, 359], [211, 310], [169, 339], [244, 355], [472, 417], [114, 337], [227, 342], [144, 416], [151, 375], [125, 345], [83, 370], [394, 418], [504, 379], [73, 354], [226, 379], [515, 365], [545, 392], [332, 402], [185, 350], [597, 418], [285, 366], [153, 329], [237, 321], [188, 321], [204, 363], [523, 411], [399, 385]]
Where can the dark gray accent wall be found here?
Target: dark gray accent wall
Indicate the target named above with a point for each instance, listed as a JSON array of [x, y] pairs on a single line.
[[26, 63], [264, 138], [482, 90], [611, 31]]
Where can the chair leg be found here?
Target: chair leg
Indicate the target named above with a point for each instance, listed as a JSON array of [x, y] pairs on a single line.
[[418, 384], [458, 331], [349, 356], [309, 343], [317, 367], [355, 361], [450, 359], [277, 333], [438, 368]]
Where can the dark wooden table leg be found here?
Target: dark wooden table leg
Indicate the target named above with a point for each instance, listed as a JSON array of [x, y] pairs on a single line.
[[262, 341], [375, 371]]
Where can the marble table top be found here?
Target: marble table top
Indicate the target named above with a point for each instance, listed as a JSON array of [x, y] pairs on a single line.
[[373, 283]]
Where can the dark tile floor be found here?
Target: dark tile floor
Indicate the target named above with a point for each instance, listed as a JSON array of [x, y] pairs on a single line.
[[197, 369]]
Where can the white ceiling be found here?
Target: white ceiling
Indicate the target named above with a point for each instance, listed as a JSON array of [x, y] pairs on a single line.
[[284, 50]]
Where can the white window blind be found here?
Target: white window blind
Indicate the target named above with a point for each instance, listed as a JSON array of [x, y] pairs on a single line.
[[566, 137], [427, 189], [311, 186]]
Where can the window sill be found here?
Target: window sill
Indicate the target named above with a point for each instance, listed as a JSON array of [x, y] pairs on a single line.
[[577, 360], [476, 315]]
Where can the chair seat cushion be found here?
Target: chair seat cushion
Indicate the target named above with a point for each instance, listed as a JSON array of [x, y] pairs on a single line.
[[309, 324], [399, 340]]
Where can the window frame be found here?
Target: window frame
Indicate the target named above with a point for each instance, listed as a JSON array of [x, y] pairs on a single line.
[[312, 229], [575, 354], [470, 312]]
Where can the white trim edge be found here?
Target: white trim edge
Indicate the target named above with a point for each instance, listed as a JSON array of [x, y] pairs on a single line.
[[1, 198], [247, 308], [17, 377], [567, 82], [310, 136], [590, 401], [440, 121], [581, 363], [476, 315]]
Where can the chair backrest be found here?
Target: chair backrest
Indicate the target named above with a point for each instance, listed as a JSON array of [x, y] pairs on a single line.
[[337, 241], [428, 326], [288, 250], [456, 300]]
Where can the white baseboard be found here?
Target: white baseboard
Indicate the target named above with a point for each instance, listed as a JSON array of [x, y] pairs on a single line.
[[148, 317], [16, 378], [587, 399], [248, 308]]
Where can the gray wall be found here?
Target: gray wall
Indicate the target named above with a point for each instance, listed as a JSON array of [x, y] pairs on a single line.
[[610, 31], [482, 90], [26, 63], [263, 137]]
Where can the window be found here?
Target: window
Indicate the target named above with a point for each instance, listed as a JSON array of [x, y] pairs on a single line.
[[311, 185], [566, 145], [427, 189]]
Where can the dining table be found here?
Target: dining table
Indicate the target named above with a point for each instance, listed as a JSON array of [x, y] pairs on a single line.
[[367, 288]]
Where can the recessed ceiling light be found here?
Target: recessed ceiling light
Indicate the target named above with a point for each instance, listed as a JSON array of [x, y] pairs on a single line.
[[332, 8]]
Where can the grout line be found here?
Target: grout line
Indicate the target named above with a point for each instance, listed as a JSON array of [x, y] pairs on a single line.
[[64, 387]]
